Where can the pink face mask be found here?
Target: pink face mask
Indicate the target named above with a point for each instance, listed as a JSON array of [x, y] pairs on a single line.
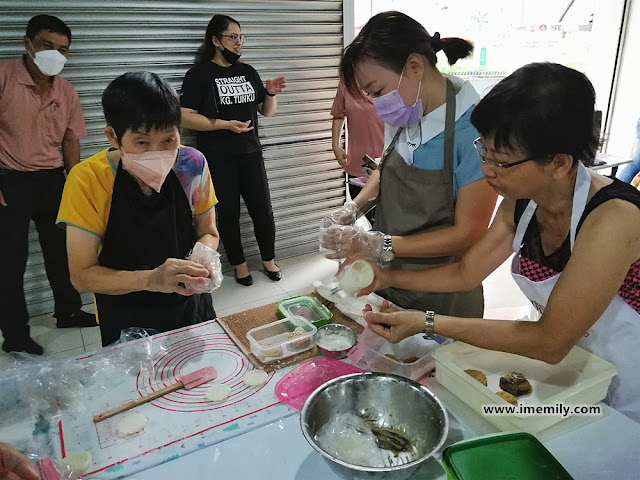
[[151, 168]]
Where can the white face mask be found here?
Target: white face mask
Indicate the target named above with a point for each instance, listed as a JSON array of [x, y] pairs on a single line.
[[49, 62]]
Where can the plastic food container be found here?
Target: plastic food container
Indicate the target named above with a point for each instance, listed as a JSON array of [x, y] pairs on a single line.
[[410, 358], [513, 455], [581, 378], [281, 339], [308, 307]]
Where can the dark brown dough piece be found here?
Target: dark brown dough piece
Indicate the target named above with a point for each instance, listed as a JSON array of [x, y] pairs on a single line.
[[516, 384]]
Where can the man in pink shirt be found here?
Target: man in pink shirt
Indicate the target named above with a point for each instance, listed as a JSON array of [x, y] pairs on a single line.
[[365, 134], [40, 115]]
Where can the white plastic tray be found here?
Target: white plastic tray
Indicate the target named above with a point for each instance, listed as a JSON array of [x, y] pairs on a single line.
[[581, 378]]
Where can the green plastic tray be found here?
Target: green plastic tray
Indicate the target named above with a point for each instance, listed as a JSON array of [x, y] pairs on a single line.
[[511, 456], [307, 307]]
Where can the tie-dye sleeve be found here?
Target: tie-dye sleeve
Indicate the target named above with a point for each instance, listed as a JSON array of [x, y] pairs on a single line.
[[193, 173], [204, 197]]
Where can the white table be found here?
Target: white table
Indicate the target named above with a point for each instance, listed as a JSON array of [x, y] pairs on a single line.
[[604, 161], [609, 447]]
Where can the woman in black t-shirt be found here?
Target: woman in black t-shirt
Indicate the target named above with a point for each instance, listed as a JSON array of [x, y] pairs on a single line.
[[220, 99]]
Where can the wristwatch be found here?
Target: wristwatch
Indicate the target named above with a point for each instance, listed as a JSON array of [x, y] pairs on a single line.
[[429, 334], [387, 250]]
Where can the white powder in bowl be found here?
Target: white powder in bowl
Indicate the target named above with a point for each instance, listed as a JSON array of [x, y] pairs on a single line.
[[334, 342]]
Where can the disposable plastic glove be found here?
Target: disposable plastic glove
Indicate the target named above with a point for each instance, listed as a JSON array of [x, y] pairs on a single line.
[[345, 215], [342, 241], [209, 259]]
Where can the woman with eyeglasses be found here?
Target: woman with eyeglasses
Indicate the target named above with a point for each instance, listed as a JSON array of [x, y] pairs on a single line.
[[432, 200], [220, 100], [575, 234]]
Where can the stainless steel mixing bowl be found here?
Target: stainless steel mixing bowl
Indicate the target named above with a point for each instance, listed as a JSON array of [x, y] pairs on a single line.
[[390, 401]]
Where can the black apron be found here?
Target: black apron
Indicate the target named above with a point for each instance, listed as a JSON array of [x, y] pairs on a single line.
[[412, 200], [143, 231]]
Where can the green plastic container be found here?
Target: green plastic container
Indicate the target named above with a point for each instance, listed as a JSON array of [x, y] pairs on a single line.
[[511, 456], [307, 307]]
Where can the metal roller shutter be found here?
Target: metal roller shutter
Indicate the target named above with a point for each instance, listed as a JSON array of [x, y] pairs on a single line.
[[299, 39]]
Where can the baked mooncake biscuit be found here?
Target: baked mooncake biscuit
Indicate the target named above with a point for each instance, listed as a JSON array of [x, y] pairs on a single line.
[[477, 375], [508, 397]]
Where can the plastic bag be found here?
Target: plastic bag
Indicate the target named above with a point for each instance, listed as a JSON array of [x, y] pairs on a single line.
[[36, 389], [349, 438], [50, 470], [210, 259]]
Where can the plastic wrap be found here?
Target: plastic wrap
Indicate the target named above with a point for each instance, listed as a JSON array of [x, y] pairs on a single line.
[[36, 390], [347, 437], [210, 259], [51, 470], [351, 306]]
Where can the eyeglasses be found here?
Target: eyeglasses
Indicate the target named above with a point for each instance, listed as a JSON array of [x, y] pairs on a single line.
[[239, 39], [480, 149]]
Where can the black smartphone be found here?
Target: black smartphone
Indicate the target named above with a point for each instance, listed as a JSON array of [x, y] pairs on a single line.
[[369, 163]]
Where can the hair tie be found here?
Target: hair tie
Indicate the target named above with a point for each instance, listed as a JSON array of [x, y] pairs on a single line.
[[436, 44]]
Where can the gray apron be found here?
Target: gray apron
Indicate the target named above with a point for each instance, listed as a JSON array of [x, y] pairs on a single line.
[[414, 200]]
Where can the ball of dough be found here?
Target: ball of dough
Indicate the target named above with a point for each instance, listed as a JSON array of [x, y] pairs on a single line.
[[78, 462], [255, 378], [131, 424], [217, 392], [477, 375]]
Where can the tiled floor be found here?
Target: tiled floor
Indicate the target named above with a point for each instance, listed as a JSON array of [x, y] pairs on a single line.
[[503, 299]]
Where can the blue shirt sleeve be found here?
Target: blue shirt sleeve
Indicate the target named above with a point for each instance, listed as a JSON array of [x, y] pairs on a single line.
[[467, 165]]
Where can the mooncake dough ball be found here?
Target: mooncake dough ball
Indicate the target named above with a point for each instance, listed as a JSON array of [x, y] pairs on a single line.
[[477, 375], [516, 384], [78, 462], [508, 397], [131, 424], [217, 392], [388, 309], [255, 378]]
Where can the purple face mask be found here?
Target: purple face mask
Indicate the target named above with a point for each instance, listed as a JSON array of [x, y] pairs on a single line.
[[392, 110]]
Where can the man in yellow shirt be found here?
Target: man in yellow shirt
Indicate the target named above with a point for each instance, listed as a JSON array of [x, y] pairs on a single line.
[[133, 213]]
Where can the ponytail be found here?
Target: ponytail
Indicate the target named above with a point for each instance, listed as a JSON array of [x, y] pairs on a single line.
[[456, 48], [389, 38]]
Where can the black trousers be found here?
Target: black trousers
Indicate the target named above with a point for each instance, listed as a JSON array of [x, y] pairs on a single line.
[[242, 175], [31, 196]]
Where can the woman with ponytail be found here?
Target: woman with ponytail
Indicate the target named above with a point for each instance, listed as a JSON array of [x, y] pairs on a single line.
[[220, 100], [433, 202]]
